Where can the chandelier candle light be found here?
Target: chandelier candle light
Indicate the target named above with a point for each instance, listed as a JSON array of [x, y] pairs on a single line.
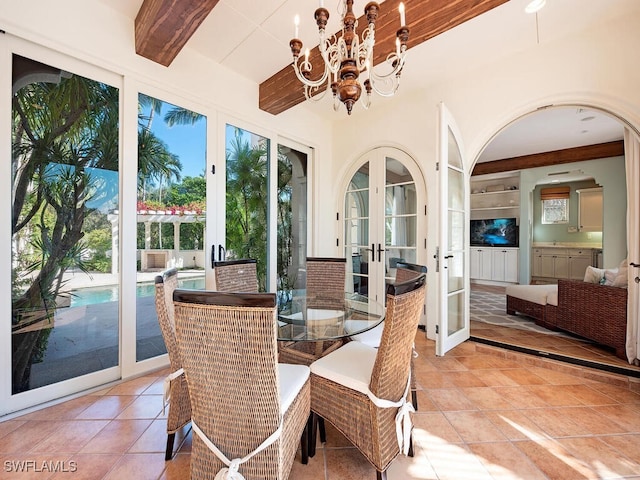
[[347, 56]]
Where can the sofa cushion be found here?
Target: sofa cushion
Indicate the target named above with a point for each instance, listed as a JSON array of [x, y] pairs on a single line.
[[622, 279], [531, 293]]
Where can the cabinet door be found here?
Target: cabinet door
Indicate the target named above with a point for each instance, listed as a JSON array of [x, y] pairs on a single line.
[[547, 266], [561, 266], [536, 264], [590, 210], [511, 266], [475, 255], [498, 264], [578, 265]]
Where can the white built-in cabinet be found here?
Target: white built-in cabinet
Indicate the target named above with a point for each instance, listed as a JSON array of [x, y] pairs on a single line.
[[561, 262], [590, 209], [495, 264]]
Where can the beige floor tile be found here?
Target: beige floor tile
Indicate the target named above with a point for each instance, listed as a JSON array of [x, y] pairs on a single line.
[[144, 406], [486, 398], [141, 466], [503, 461], [450, 399], [555, 461], [88, 467], [107, 407], [117, 437], [70, 436], [433, 425], [347, 464], [601, 457], [177, 468], [474, 427]]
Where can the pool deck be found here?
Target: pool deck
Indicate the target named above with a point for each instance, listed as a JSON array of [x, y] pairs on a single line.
[[75, 280]]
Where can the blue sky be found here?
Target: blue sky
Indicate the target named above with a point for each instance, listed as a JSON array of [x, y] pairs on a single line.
[[188, 142]]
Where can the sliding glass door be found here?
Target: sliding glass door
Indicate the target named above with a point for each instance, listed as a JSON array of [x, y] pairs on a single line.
[[65, 177]]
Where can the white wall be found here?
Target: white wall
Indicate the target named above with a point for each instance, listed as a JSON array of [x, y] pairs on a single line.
[[589, 68]]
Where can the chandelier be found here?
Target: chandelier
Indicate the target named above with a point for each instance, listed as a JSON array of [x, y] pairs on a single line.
[[347, 57]]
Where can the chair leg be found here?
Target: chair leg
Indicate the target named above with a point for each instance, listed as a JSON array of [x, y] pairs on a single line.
[[414, 399], [321, 429], [311, 425], [304, 444], [410, 452], [169, 453]]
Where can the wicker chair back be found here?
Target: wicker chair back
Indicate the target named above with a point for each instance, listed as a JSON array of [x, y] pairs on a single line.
[[228, 343], [180, 406], [236, 276]]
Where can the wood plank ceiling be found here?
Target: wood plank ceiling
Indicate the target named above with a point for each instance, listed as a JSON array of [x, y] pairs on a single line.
[[163, 27]]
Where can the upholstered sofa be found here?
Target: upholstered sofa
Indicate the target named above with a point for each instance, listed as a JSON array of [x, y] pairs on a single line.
[[589, 310]]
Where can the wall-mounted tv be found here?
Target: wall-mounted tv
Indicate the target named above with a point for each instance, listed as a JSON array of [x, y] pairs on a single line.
[[495, 232]]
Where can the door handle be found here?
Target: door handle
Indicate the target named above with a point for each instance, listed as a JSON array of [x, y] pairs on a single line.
[[373, 252], [213, 256], [634, 264], [447, 257], [222, 253], [380, 250]]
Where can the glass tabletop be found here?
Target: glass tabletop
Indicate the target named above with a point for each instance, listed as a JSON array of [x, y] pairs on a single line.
[[303, 316]]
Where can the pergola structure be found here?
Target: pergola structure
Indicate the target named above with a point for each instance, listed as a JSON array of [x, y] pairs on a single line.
[[158, 259]]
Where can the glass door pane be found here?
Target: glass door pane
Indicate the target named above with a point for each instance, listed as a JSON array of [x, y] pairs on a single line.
[[247, 199], [400, 217], [65, 203], [356, 230], [170, 210], [292, 217]]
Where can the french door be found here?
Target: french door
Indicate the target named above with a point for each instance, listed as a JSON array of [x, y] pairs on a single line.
[[264, 189], [384, 220], [453, 279]]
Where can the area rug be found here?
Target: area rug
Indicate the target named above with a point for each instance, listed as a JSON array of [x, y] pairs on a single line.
[[491, 308]]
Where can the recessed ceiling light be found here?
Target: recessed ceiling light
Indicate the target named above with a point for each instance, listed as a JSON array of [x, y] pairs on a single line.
[[534, 6]]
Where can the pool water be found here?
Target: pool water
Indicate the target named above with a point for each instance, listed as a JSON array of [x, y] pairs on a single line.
[[91, 296]]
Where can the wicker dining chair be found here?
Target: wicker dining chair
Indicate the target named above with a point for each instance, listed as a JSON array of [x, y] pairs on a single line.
[[404, 271], [236, 276], [176, 391], [325, 284], [249, 413], [363, 391]]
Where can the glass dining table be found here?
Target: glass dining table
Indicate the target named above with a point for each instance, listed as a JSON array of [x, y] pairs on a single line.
[[304, 316]]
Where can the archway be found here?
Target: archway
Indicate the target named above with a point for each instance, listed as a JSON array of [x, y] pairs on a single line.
[[592, 167]]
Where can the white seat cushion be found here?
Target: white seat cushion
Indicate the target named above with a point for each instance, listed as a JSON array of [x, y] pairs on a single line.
[[370, 337], [531, 293], [291, 379], [350, 365]]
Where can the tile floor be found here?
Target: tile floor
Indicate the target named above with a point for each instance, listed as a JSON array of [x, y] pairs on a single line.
[[543, 340], [484, 413]]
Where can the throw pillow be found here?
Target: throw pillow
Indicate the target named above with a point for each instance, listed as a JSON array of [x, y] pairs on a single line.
[[610, 275], [621, 279], [593, 274]]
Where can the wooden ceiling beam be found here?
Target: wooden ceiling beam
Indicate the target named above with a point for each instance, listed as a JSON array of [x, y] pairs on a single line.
[[556, 157], [426, 19], [163, 27]]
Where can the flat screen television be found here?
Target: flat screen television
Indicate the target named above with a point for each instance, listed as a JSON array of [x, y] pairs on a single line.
[[495, 232]]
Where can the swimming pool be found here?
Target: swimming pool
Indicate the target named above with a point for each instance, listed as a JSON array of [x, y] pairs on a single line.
[[93, 295]]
